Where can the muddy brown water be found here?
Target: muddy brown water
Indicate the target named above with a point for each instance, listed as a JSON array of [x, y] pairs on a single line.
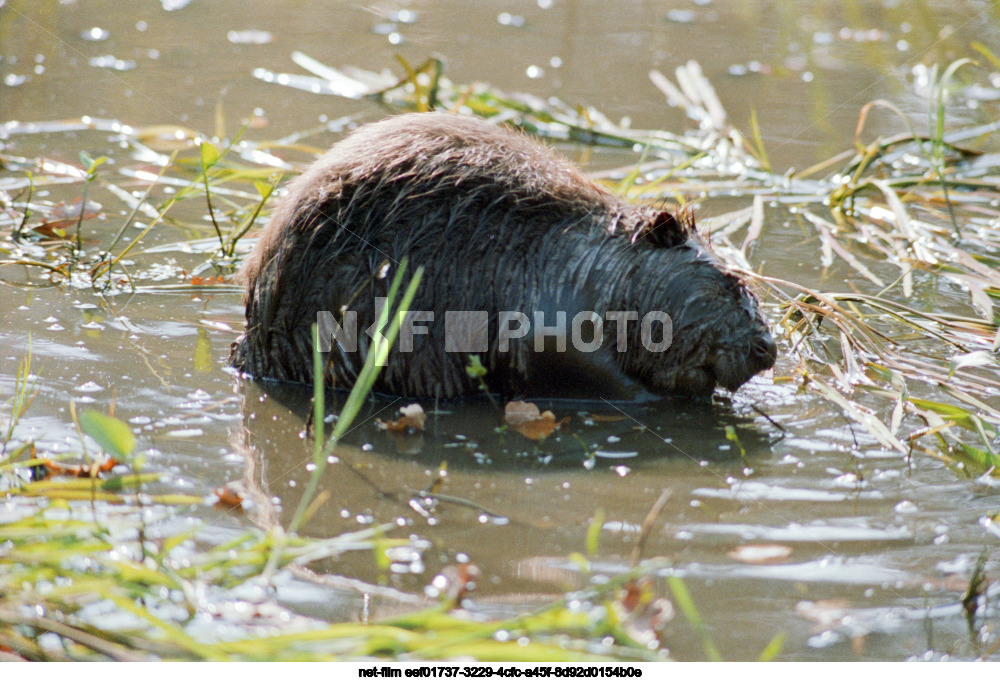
[[879, 547]]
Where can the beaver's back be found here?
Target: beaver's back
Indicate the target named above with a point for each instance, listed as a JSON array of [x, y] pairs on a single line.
[[434, 164]]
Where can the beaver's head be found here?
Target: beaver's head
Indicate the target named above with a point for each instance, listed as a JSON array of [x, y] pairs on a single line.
[[719, 337]]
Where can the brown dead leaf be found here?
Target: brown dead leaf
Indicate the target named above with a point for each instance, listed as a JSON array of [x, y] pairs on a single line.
[[412, 420], [206, 281], [631, 596], [529, 421], [760, 553], [54, 468], [66, 215], [228, 498]]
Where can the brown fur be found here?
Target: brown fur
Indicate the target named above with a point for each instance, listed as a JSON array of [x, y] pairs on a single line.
[[500, 224]]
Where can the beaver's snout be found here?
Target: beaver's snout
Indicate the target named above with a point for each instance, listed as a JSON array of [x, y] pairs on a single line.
[[735, 365], [763, 352]]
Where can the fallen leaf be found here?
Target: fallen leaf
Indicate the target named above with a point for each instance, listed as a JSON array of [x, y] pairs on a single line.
[[529, 421], [227, 498], [66, 215], [103, 465], [412, 421], [206, 281]]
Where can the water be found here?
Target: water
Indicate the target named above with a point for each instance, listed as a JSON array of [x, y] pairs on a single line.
[[870, 550]]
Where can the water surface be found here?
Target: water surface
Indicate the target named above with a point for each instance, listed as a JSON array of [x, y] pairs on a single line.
[[876, 546]]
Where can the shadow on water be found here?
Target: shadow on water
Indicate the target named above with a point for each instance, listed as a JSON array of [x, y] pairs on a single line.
[[472, 434], [478, 491]]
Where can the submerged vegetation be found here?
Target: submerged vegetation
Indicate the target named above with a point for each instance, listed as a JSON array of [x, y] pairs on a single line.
[[906, 349]]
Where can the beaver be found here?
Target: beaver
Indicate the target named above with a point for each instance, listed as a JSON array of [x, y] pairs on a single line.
[[505, 228]]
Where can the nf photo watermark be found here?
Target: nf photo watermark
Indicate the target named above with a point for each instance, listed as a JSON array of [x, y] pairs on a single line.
[[468, 331]]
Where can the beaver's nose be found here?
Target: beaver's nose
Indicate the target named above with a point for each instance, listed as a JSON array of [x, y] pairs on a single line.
[[763, 351]]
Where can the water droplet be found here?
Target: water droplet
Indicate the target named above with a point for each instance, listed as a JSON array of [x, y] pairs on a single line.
[[249, 37], [404, 16], [681, 16], [508, 19], [95, 34]]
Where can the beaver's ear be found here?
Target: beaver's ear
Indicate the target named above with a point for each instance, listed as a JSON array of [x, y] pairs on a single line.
[[666, 230]]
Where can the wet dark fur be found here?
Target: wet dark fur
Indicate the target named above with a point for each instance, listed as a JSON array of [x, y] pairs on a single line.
[[500, 224]]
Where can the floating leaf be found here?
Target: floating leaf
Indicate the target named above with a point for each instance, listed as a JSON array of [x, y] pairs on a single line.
[[207, 281], [529, 421], [413, 419], [227, 498], [204, 359], [104, 465], [65, 215]]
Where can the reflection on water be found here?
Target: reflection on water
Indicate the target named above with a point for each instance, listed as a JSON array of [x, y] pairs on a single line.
[[876, 548]]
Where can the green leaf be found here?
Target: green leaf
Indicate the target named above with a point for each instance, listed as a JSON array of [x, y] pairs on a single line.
[[580, 561], [735, 439], [758, 141], [263, 188], [475, 368], [772, 649], [686, 605], [89, 163], [982, 459], [115, 484], [114, 436], [209, 155], [594, 532]]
